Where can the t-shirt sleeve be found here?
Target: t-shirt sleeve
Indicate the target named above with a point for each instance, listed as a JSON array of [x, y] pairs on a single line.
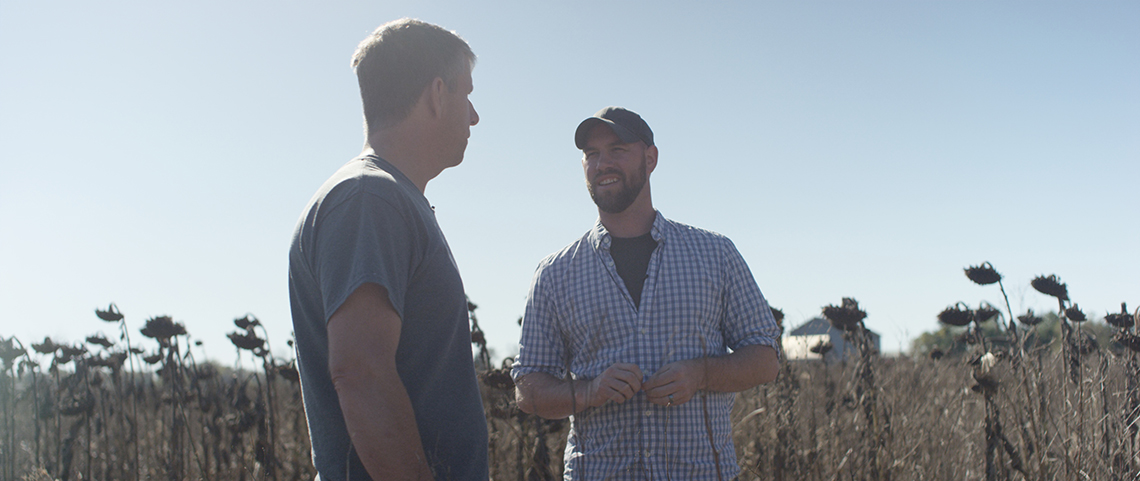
[[364, 239], [748, 319], [541, 348]]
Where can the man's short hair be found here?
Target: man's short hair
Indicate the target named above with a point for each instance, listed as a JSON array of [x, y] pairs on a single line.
[[399, 59]]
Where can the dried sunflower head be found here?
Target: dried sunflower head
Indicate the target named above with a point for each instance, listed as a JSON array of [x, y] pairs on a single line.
[[247, 340], [153, 358], [984, 313], [248, 322], [936, 354], [983, 275], [1128, 340], [1030, 319], [956, 315], [822, 348], [1051, 286], [46, 347], [162, 328], [498, 379], [100, 340], [845, 317], [1073, 313], [1124, 320], [112, 313], [1086, 344]]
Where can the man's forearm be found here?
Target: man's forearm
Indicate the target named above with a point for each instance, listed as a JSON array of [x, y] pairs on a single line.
[[383, 427], [744, 368], [548, 397]]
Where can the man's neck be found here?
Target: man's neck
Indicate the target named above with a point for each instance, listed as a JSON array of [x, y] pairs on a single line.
[[394, 147], [632, 222]]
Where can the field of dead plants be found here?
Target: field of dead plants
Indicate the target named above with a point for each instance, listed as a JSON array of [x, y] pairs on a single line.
[[1006, 403]]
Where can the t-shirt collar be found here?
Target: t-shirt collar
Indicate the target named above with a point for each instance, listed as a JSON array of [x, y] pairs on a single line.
[[601, 239]]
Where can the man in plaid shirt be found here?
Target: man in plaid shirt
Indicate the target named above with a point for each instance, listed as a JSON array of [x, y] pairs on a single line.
[[642, 330]]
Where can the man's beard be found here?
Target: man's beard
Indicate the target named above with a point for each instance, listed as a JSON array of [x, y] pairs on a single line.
[[616, 202]]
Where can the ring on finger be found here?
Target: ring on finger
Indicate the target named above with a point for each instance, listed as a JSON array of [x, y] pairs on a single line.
[[670, 400]]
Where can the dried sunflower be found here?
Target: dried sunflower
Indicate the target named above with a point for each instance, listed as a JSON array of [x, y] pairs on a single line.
[[248, 341], [1073, 313], [112, 313], [100, 340], [983, 275], [1051, 286], [162, 328], [1123, 320], [1030, 319], [956, 315], [847, 316]]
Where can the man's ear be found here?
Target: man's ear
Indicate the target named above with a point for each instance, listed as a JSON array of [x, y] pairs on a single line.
[[434, 94], [650, 158]]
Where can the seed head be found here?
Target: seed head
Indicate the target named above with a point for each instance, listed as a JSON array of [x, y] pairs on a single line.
[[498, 379], [1129, 340], [1123, 320], [983, 275], [100, 340], [162, 328], [822, 348], [112, 314], [46, 347], [73, 351], [247, 322], [289, 372], [153, 358], [847, 316], [984, 313], [1073, 313], [1086, 344], [1051, 286], [936, 354], [1029, 319], [247, 340], [956, 315]]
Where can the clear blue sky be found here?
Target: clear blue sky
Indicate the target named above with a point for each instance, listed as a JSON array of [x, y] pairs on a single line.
[[158, 154]]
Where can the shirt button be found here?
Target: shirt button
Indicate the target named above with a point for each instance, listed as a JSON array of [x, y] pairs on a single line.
[[648, 453], [648, 412], [643, 331]]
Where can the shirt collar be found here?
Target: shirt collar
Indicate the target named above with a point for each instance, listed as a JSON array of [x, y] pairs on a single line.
[[601, 239]]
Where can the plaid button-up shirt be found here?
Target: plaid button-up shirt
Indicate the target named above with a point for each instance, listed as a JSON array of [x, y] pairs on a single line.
[[699, 300]]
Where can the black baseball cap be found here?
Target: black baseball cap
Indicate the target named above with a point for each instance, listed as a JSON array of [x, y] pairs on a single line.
[[628, 126]]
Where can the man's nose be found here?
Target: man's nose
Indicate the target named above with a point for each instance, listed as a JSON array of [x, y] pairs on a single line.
[[474, 114]]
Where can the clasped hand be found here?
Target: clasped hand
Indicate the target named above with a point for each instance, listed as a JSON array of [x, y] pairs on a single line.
[[674, 384]]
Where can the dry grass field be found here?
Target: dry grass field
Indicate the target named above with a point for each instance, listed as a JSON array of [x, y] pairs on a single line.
[[1001, 408]]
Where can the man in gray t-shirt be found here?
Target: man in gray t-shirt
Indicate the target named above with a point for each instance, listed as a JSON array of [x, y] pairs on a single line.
[[379, 311]]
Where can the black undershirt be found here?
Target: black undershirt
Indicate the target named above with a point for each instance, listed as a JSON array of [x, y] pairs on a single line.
[[631, 257]]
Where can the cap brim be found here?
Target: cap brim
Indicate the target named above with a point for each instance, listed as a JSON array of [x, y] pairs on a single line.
[[584, 128]]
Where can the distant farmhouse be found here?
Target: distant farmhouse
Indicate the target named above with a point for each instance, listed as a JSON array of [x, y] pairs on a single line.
[[798, 343]]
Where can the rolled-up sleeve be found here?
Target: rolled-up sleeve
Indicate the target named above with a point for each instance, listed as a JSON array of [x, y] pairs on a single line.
[[541, 348], [748, 318]]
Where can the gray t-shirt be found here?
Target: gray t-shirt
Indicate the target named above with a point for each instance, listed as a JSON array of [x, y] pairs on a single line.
[[369, 223]]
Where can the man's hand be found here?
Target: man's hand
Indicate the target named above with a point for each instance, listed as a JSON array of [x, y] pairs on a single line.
[[677, 382], [618, 383]]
